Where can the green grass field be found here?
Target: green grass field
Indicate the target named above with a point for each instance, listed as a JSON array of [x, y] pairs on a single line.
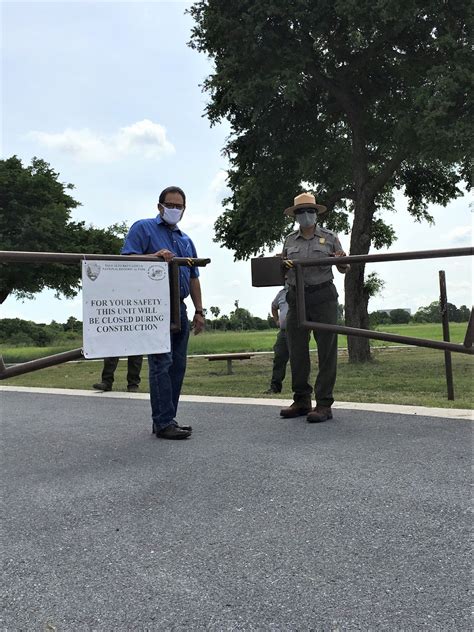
[[410, 376], [240, 341]]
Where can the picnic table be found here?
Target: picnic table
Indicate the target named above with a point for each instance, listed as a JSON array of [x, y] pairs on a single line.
[[229, 357]]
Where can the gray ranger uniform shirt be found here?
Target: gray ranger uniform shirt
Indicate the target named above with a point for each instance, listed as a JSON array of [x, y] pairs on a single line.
[[323, 244], [279, 303]]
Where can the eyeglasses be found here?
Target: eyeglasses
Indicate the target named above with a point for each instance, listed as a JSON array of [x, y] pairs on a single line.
[[179, 207], [308, 209]]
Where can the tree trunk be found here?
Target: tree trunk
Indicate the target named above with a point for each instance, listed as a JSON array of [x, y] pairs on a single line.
[[366, 187], [355, 300], [4, 294], [356, 314]]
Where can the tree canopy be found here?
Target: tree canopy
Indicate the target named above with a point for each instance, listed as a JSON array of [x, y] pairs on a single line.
[[432, 313], [352, 100], [35, 215]]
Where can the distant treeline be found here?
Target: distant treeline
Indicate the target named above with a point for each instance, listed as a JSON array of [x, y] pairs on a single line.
[[242, 320], [429, 314], [18, 332]]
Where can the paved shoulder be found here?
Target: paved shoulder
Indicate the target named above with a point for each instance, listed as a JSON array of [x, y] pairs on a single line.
[[446, 413]]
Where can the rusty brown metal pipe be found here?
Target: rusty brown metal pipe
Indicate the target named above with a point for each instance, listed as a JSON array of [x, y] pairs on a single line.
[[379, 335], [40, 363], [366, 333], [7, 256], [443, 304], [469, 337], [14, 256], [393, 256]]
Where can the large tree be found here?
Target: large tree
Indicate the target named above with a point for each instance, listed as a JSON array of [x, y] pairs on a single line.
[[349, 98], [35, 215]]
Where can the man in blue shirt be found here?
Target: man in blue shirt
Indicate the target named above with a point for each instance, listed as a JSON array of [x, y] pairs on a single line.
[[160, 236]]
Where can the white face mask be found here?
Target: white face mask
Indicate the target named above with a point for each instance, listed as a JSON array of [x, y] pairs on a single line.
[[172, 215], [305, 220]]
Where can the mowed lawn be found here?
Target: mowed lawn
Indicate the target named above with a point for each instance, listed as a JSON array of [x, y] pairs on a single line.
[[411, 376], [240, 341]]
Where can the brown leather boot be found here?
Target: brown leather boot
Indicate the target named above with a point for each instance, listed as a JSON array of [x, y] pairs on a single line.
[[319, 414], [297, 409]]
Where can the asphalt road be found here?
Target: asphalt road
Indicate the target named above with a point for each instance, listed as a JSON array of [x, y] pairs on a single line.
[[256, 523]]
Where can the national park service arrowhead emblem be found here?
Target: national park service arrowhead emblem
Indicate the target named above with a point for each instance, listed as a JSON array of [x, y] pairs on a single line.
[[93, 271]]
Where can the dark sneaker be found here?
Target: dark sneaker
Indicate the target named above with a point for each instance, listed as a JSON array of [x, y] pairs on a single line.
[[271, 390], [102, 386], [132, 388], [173, 432], [297, 409], [319, 414]]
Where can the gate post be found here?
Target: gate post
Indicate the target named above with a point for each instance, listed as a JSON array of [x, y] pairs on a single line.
[[443, 305]]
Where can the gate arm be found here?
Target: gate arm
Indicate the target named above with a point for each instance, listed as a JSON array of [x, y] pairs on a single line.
[[16, 256], [366, 333], [390, 256], [40, 363]]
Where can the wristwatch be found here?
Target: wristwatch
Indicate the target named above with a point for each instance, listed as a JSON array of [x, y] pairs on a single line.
[[200, 312]]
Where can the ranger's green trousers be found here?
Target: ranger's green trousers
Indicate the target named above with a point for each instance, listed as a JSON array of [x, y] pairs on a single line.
[[321, 306]]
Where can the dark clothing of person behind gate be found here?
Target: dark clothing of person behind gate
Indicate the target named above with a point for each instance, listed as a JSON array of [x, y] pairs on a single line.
[[280, 360], [280, 349], [134, 366]]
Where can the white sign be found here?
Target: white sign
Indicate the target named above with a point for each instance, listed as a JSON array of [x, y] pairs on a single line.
[[125, 308]]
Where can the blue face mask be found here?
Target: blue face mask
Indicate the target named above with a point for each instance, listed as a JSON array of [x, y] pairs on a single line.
[[172, 215], [306, 219]]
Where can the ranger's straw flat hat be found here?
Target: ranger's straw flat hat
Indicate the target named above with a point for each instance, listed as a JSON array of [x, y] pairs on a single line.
[[302, 200]]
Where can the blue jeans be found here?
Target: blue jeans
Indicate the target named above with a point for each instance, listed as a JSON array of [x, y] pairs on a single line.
[[166, 375]]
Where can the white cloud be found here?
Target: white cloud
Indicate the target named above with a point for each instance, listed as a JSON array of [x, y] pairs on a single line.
[[143, 137], [191, 225], [460, 234], [219, 187], [204, 214], [81, 144], [460, 286]]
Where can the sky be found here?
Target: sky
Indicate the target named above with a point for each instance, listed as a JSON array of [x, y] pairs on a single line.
[[109, 93]]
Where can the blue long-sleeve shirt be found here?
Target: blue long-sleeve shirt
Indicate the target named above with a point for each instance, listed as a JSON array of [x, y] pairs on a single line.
[[147, 236]]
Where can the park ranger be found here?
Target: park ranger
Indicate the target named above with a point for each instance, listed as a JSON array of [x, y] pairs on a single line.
[[312, 241]]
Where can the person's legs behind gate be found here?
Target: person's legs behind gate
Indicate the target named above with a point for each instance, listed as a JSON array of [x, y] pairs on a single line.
[[107, 378], [298, 346], [280, 359], [134, 367]]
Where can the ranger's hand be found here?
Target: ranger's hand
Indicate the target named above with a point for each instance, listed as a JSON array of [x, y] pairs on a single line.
[[343, 267]]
